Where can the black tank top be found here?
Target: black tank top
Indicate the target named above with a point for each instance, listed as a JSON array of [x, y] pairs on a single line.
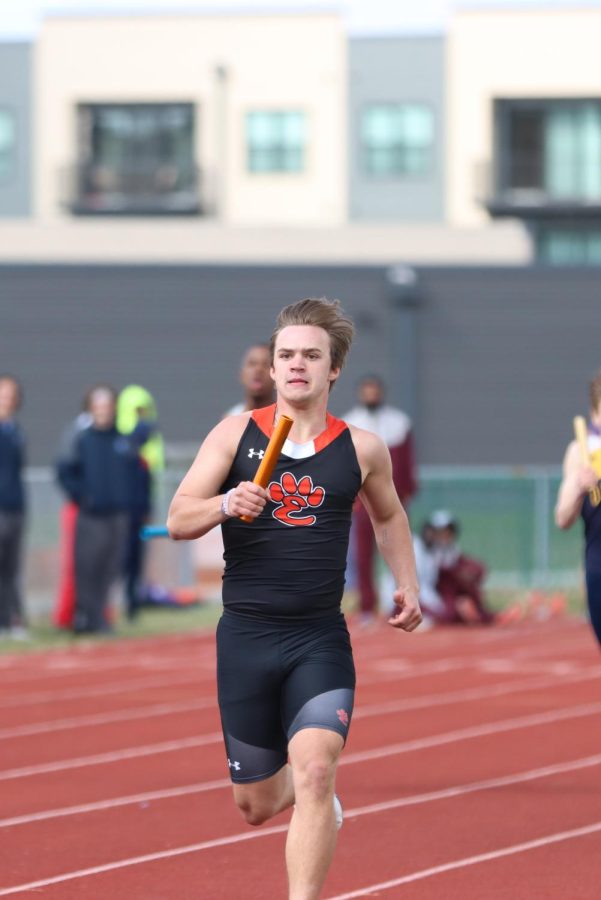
[[290, 562], [592, 535], [591, 515]]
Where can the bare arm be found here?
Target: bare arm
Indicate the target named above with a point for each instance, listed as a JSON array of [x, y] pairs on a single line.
[[577, 480], [196, 506], [390, 525]]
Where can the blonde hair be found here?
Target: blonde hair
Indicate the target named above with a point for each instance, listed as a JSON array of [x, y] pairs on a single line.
[[323, 313]]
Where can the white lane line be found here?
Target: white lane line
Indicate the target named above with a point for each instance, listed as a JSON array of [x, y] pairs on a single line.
[[384, 670], [352, 813], [114, 687], [105, 718], [466, 694], [148, 857], [77, 663], [131, 800], [58, 695], [98, 759], [204, 702], [413, 800], [472, 861], [122, 715], [460, 790], [424, 701], [514, 724], [476, 731]]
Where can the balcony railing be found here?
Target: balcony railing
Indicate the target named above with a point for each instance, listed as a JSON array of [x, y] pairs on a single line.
[[97, 189], [519, 188]]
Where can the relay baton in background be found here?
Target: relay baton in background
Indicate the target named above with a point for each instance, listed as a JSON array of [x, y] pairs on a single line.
[[153, 531], [582, 438], [274, 448]]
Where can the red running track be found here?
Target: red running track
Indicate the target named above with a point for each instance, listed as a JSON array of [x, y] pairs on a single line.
[[473, 772]]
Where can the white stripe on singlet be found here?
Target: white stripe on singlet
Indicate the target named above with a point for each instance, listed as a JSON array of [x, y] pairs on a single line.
[[298, 451]]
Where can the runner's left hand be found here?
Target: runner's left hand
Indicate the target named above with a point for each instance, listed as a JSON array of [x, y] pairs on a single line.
[[408, 614]]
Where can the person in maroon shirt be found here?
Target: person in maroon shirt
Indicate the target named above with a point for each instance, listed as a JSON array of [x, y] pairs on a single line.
[[393, 426]]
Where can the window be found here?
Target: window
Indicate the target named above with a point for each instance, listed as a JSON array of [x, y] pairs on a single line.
[[569, 246], [8, 144], [136, 157], [276, 141], [397, 139], [551, 148]]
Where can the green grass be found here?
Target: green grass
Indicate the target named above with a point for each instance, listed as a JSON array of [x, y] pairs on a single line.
[[150, 622], [153, 622]]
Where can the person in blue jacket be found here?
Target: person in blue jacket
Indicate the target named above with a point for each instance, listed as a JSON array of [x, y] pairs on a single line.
[[12, 509], [97, 475]]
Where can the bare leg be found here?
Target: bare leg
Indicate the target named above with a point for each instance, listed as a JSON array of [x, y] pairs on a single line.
[[312, 834], [261, 800]]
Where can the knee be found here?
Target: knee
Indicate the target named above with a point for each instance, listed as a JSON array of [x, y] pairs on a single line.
[[253, 812], [315, 778]]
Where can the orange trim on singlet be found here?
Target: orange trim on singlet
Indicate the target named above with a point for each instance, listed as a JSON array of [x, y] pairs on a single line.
[[334, 427], [264, 420]]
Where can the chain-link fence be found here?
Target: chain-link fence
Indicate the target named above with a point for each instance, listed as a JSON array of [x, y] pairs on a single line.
[[506, 518]]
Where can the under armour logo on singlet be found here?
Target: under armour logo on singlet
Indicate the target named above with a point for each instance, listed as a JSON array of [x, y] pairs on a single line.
[[259, 453]]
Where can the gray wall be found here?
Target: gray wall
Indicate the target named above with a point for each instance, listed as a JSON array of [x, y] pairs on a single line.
[[15, 95], [502, 355], [178, 331], [505, 357], [410, 69]]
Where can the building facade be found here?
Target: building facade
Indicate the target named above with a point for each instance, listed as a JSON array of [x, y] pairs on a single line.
[[239, 117], [397, 129], [16, 141], [524, 101], [277, 126]]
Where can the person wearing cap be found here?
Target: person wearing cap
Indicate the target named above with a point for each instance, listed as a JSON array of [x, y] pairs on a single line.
[[434, 609], [460, 577]]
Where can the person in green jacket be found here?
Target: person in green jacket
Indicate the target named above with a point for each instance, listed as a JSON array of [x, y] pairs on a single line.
[[137, 418]]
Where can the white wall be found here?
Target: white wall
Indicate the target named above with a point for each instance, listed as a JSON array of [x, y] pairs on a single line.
[[550, 53], [272, 62]]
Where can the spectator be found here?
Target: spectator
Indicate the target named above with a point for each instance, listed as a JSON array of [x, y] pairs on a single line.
[[64, 609], [12, 509], [579, 498], [460, 577], [433, 608], [97, 476], [255, 379], [393, 426], [137, 418]]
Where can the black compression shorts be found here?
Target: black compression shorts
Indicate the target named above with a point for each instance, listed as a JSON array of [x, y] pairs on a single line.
[[274, 680]]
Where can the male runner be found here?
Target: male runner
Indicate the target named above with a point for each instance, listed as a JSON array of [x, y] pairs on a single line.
[[573, 500], [285, 669]]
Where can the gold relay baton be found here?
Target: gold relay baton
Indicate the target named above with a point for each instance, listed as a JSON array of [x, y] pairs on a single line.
[[582, 439], [274, 448]]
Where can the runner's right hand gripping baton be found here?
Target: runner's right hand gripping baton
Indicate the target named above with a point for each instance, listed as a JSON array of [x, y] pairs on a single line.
[[581, 437], [274, 448]]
